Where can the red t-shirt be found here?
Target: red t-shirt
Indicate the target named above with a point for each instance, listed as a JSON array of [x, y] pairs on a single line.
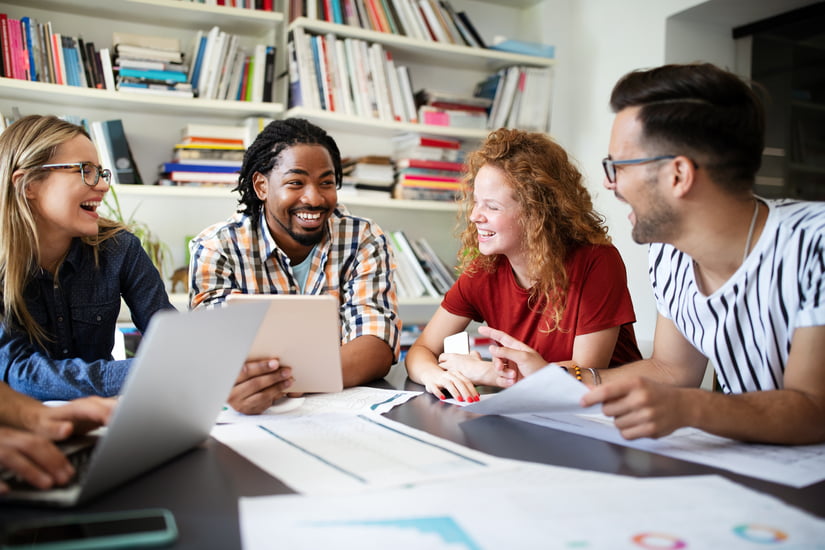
[[597, 299]]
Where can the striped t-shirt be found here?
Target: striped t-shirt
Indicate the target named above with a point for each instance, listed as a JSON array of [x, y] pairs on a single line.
[[745, 327]]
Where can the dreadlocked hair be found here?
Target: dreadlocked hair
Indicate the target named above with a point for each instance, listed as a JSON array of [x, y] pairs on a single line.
[[557, 215], [262, 156]]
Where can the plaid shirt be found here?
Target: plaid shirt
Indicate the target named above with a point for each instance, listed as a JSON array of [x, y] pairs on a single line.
[[353, 262]]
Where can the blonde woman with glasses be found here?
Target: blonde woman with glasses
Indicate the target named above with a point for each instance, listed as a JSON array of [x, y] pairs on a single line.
[[63, 267]]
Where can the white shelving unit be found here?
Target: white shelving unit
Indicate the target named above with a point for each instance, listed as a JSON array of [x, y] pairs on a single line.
[[153, 122]]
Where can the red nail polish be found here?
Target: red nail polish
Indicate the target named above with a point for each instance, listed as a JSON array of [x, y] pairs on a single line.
[[460, 398], [441, 397]]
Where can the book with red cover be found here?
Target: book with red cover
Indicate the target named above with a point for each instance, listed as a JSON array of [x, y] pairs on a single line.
[[442, 182], [430, 164], [412, 140], [8, 70]]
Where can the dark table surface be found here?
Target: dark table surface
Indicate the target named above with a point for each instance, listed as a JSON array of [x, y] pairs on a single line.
[[202, 487]]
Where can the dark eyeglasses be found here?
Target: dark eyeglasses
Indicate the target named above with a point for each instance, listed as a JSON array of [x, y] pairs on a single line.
[[609, 164], [90, 173]]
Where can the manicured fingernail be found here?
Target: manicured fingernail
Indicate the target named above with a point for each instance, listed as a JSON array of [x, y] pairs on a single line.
[[442, 397], [460, 398]]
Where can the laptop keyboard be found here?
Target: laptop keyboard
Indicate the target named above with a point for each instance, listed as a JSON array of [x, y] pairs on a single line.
[[78, 451]]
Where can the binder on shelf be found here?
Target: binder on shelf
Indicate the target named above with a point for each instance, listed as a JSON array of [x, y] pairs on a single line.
[[124, 169]]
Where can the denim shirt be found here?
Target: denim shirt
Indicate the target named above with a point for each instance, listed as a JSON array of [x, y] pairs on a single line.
[[79, 314]]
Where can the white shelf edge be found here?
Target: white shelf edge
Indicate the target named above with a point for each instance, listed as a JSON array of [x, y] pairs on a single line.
[[165, 13], [225, 11], [456, 52], [332, 121], [24, 90], [206, 192], [401, 204]]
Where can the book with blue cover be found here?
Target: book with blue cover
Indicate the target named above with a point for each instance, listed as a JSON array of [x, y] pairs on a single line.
[[180, 166], [526, 48], [149, 74]]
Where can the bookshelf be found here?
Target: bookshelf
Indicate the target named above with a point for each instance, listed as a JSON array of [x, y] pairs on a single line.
[[153, 123]]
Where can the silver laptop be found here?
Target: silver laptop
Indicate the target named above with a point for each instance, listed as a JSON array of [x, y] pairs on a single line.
[[181, 377]]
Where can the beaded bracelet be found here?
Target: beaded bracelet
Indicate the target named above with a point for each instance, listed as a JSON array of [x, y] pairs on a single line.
[[577, 372]]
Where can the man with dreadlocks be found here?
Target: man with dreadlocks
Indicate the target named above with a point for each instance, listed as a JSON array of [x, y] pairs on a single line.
[[290, 236]]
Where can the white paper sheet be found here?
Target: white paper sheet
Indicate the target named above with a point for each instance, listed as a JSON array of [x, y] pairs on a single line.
[[329, 453], [551, 398], [793, 465], [548, 390], [534, 506], [360, 399]]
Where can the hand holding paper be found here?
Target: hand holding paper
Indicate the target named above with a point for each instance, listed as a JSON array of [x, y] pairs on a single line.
[[550, 390]]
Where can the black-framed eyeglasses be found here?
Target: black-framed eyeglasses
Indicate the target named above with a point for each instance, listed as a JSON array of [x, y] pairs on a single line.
[[90, 173], [609, 164]]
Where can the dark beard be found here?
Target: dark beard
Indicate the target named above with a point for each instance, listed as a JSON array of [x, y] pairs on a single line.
[[305, 239]]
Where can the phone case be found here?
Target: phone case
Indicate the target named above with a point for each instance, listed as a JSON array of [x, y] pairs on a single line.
[[126, 539]]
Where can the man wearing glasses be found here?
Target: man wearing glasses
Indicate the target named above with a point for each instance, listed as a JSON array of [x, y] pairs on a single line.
[[738, 280]]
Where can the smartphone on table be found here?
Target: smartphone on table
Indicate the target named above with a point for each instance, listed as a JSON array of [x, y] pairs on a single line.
[[147, 528]]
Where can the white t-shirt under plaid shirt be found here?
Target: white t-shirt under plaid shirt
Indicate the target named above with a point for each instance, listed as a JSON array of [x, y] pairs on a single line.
[[745, 327], [353, 263]]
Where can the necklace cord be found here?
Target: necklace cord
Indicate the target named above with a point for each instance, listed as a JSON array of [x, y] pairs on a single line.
[[750, 231]]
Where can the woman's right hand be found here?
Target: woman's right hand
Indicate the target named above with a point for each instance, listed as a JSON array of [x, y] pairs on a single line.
[[510, 353], [459, 386]]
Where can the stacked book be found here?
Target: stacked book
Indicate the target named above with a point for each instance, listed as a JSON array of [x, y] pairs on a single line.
[[447, 109], [429, 168], [368, 175], [420, 272], [207, 154], [430, 20], [150, 64]]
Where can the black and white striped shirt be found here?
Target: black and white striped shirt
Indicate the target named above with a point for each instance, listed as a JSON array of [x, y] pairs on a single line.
[[745, 327]]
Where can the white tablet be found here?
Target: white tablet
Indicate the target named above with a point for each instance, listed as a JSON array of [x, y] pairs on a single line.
[[302, 331]]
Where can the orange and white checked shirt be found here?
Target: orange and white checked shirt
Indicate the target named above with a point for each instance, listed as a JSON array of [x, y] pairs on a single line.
[[353, 263]]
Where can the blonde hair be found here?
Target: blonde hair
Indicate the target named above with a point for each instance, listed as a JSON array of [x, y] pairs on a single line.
[[25, 145], [556, 218]]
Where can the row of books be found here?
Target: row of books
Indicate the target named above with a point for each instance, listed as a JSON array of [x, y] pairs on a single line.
[[521, 97], [33, 51], [420, 272], [220, 67], [263, 5], [223, 69], [430, 20], [349, 76]]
